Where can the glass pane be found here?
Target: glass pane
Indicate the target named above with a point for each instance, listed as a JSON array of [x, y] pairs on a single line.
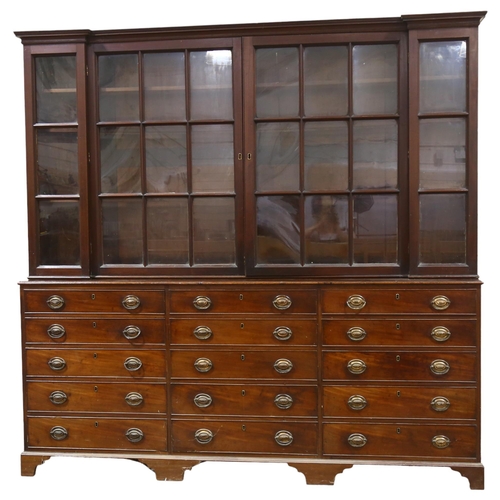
[[166, 162], [442, 153], [325, 81], [122, 231], [277, 82], [168, 231], [443, 79], [57, 161], [59, 226], [56, 89], [278, 238], [212, 158], [326, 229], [278, 157], [120, 160], [375, 154], [375, 229], [214, 231], [375, 79], [164, 86], [211, 79], [326, 156], [118, 88], [442, 228]]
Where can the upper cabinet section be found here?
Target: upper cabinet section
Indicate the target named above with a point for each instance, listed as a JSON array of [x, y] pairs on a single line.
[[329, 148]]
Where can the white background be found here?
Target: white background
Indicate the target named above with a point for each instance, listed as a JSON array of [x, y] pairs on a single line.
[[108, 478]]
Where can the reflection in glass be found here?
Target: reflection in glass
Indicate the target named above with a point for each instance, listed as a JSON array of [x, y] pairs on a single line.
[[325, 81], [55, 89], [164, 86], [375, 229], [443, 81], [214, 231], [57, 161], [277, 156], [211, 78], [166, 161], [375, 79], [326, 229], [375, 154], [326, 156], [443, 228], [212, 158], [277, 82], [278, 238], [120, 160], [168, 231], [59, 232], [442, 153]]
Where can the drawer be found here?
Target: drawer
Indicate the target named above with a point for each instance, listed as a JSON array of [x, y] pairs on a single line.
[[236, 301], [213, 331], [400, 332], [244, 364], [360, 401], [246, 400], [399, 301], [125, 301], [97, 433], [429, 441], [423, 366], [67, 331], [61, 396], [244, 437], [95, 363]]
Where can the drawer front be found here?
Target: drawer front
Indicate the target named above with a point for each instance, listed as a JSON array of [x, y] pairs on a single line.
[[360, 401], [125, 301], [68, 331], [399, 301], [244, 364], [96, 397], [212, 331], [97, 433], [423, 365], [244, 437], [247, 400], [268, 300], [405, 332], [95, 363], [394, 440]]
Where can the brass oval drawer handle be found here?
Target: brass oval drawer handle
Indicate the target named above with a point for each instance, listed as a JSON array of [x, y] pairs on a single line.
[[202, 332], [440, 403], [440, 333], [356, 366], [134, 399], [56, 331], [440, 367], [58, 397], [203, 436], [57, 364], [284, 438], [202, 303], [58, 433], [203, 365], [283, 401], [441, 441], [356, 302], [131, 332], [131, 302], [440, 302], [282, 302], [203, 400], [55, 302], [282, 333], [357, 402], [283, 365], [356, 333], [134, 435], [357, 440], [132, 364]]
